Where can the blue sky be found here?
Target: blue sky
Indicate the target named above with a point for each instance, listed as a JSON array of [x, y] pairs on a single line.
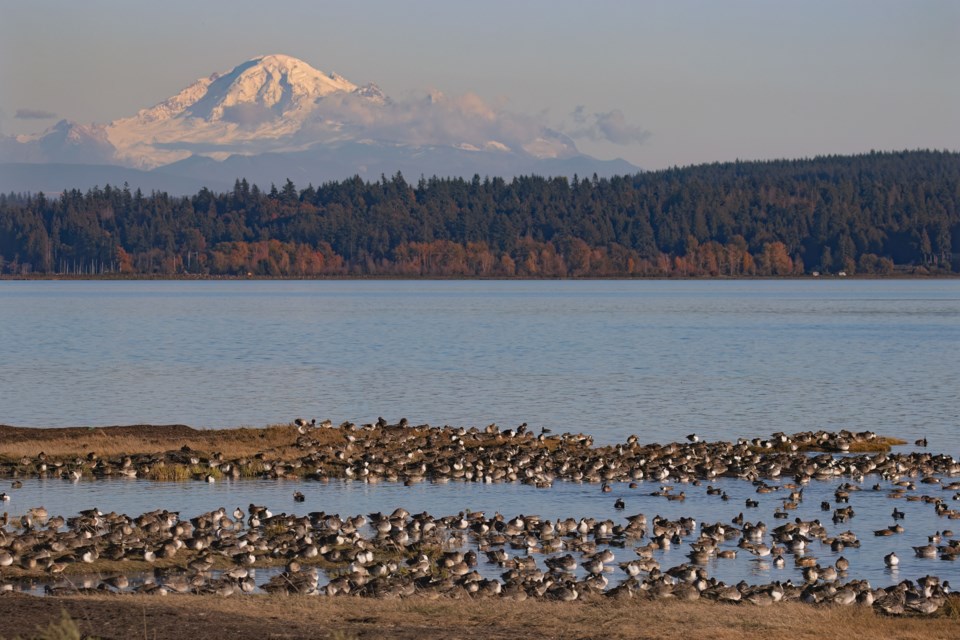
[[706, 80]]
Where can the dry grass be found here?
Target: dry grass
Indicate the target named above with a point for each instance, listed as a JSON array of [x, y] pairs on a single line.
[[880, 444], [260, 617], [65, 629], [17, 442]]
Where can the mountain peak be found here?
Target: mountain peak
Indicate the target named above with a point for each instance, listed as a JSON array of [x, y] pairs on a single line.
[[277, 111], [274, 83], [266, 98], [265, 87]]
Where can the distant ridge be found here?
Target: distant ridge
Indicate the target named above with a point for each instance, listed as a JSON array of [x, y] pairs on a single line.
[[877, 214], [54, 178]]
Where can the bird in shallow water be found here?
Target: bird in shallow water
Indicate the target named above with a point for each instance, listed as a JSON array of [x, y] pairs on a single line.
[[891, 559]]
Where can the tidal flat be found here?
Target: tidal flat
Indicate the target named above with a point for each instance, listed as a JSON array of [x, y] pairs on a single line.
[[788, 521]]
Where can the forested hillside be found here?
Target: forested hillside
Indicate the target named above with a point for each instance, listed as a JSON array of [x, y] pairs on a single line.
[[873, 213]]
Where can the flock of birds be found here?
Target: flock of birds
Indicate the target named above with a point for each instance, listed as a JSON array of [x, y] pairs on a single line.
[[472, 554]]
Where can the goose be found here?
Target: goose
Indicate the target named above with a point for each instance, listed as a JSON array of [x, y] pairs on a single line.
[[563, 594], [566, 563], [38, 513], [593, 566], [828, 574], [118, 582]]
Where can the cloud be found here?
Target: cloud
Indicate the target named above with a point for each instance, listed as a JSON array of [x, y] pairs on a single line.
[[425, 120], [34, 114], [615, 128], [611, 126]]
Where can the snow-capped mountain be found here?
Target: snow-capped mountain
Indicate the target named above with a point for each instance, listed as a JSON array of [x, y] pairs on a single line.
[[260, 105], [277, 111]]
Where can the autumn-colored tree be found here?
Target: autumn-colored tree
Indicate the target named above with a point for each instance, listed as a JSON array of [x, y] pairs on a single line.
[[124, 261]]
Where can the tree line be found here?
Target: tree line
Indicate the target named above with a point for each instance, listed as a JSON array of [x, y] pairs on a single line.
[[874, 213]]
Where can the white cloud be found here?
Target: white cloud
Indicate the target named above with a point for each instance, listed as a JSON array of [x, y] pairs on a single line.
[[611, 126], [433, 119]]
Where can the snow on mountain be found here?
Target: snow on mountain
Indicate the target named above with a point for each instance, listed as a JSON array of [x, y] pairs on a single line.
[[275, 106], [250, 109]]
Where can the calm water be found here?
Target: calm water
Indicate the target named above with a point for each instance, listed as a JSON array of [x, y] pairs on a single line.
[[564, 499], [659, 359]]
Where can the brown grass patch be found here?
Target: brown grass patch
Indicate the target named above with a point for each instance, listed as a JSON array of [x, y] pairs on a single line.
[[249, 617], [880, 444], [17, 442]]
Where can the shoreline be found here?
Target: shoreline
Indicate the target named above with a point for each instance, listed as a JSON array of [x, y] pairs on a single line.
[[296, 617], [387, 278], [408, 590]]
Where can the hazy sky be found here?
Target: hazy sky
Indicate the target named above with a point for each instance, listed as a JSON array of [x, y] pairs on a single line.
[[708, 80]]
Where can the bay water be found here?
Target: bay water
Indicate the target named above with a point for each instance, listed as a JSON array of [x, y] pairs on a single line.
[[659, 359]]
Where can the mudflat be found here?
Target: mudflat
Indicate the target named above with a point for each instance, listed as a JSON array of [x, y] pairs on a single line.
[[262, 617], [448, 613]]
